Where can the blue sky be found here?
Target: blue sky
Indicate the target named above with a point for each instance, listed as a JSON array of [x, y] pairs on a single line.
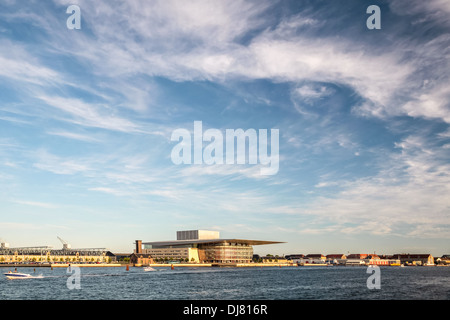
[[86, 118]]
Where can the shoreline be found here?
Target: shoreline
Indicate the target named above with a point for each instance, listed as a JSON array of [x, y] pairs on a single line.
[[60, 265], [187, 265]]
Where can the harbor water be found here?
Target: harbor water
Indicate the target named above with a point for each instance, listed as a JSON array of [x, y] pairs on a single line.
[[268, 283]]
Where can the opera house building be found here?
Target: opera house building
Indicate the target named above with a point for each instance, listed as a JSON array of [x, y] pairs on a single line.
[[201, 246]]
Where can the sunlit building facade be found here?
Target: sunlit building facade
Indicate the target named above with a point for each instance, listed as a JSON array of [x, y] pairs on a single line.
[[201, 246]]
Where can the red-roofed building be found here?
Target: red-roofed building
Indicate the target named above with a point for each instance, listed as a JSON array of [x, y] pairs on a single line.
[[363, 256]]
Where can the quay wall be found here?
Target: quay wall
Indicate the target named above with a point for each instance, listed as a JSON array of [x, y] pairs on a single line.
[[57, 265]]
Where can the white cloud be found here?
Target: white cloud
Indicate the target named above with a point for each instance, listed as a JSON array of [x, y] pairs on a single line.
[[313, 92], [59, 165], [36, 204], [72, 135], [171, 194], [199, 40], [248, 171], [433, 103], [407, 196], [18, 65], [112, 191], [90, 115], [432, 10], [132, 42]]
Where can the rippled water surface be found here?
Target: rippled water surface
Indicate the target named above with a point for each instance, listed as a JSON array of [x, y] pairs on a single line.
[[268, 283]]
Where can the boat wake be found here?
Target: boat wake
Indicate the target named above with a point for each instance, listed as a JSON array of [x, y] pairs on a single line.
[[149, 269], [15, 275]]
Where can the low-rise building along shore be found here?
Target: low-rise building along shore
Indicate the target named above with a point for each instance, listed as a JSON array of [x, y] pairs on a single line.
[[202, 248], [370, 259], [48, 255]]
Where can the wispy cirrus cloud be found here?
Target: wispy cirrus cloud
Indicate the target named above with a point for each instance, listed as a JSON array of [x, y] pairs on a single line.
[[90, 115], [91, 111], [18, 65], [407, 197], [73, 135], [36, 204], [59, 165], [281, 53]]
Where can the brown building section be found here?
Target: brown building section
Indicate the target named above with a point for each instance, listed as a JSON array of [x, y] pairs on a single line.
[[363, 256], [416, 259], [138, 246], [141, 258], [201, 255]]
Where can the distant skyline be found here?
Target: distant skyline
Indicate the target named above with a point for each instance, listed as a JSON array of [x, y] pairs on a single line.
[[86, 118]]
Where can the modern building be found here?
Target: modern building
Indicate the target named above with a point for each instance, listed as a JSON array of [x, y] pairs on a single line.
[[201, 246], [197, 235]]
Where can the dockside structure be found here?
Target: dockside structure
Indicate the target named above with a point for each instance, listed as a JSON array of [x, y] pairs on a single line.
[[46, 254]]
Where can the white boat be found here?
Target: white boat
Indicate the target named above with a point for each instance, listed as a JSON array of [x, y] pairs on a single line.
[[149, 269], [17, 275]]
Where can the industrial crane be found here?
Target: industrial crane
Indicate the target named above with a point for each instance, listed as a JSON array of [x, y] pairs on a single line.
[[65, 244]]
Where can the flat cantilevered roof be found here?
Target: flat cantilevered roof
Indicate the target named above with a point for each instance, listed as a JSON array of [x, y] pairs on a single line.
[[186, 242]]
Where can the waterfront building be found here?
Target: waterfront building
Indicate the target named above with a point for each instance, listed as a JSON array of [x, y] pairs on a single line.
[[315, 258], [335, 256], [415, 259], [445, 259], [201, 246], [46, 254], [294, 256], [357, 259], [383, 262], [274, 259], [121, 257], [362, 256], [141, 258]]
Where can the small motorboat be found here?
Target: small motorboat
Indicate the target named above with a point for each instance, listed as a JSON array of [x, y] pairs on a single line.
[[149, 269], [17, 275]]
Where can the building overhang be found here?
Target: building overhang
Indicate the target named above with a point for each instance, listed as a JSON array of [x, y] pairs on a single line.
[[176, 243]]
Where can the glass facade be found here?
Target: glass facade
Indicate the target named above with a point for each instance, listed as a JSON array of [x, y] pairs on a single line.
[[211, 252], [227, 252]]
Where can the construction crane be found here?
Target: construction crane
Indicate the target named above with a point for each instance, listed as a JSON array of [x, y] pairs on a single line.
[[65, 244]]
